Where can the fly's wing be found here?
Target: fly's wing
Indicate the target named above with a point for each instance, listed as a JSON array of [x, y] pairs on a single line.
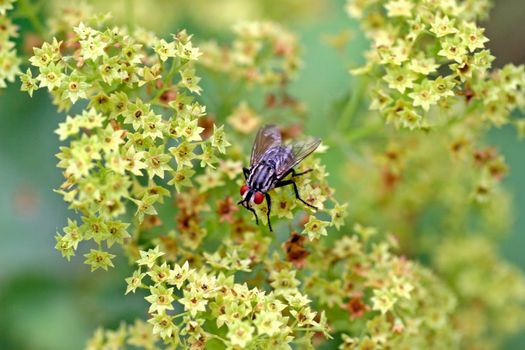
[[298, 151], [268, 136]]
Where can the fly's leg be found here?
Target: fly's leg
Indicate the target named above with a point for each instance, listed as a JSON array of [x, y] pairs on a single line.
[[246, 173], [297, 196], [269, 202], [294, 174], [250, 209], [254, 213]]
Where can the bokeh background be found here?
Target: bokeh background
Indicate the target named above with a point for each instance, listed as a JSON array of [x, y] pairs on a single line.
[[48, 303]]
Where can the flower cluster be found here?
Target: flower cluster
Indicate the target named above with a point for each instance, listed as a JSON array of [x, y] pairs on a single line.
[[139, 334], [360, 275], [262, 52], [240, 316], [429, 59], [139, 129], [412, 179], [491, 292], [9, 61], [453, 177], [139, 133], [147, 169]]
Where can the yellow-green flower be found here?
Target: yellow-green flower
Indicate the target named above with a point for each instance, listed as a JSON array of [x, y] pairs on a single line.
[[338, 214], [134, 161], [5, 6], [218, 139], [64, 246], [181, 178], [474, 37], [315, 228], [141, 335], [117, 232], [193, 301], [400, 78], [163, 325], [453, 48], [161, 299], [153, 125], [423, 65], [424, 95], [383, 300], [189, 130], [179, 274], [165, 50], [240, 333], [442, 26], [183, 154], [149, 258], [92, 48], [399, 8], [29, 83], [157, 162], [159, 273], [99, 259], [135, 281], [51, 76]]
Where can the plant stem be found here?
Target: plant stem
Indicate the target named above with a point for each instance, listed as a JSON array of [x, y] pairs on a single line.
[[352, 105], [363, 132], [29, 11], [174, 66], [211, 335], [130, 18], [181, 314]]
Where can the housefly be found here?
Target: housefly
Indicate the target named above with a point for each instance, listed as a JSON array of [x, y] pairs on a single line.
[[270, 163]]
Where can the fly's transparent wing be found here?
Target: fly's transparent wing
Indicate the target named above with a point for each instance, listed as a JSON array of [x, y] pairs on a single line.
[[298, 151], [268, 136]]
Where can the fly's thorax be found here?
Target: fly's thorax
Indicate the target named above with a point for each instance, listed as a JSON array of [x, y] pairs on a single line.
[[279, 157], [262, 177]]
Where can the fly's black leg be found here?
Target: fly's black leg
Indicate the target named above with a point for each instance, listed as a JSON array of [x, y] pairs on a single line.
[[291, 182], [269, 202], [254, 213], [294, 174], [246, 203], [246, 172]]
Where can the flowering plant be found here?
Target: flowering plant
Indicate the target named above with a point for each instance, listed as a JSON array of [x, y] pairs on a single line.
[[151, 171]]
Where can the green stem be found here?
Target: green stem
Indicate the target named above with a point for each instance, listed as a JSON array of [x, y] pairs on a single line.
[[352, 105], [469, 110], [175, 66], [363, 132], [181, 314], [308, 329], [29, 11], [217, 337], [130, 18]]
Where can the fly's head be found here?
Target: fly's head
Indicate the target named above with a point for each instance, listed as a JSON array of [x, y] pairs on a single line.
[[250, 195]]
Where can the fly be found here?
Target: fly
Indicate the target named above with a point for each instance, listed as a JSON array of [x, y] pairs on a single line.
[[271, 161]]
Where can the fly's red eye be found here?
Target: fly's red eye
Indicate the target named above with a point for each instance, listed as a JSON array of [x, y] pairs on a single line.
[[258, 198], [244, 188]]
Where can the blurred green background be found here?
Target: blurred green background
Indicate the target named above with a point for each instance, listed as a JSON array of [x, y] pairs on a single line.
[[48, 303]]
